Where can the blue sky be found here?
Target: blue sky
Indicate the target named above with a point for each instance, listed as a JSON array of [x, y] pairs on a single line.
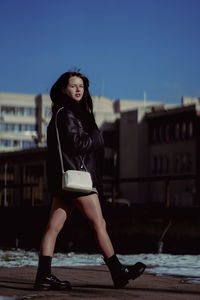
[[125, 47]]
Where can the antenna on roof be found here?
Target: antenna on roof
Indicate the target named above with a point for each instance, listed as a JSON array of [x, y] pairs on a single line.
[[144, 103]]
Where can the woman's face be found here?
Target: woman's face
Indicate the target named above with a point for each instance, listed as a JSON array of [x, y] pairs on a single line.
[[75, 88]]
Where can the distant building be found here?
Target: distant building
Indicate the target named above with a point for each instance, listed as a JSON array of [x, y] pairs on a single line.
[[143, 139], [24, 118], [174, 147], [23, 178], [18, 124], [157, 142]]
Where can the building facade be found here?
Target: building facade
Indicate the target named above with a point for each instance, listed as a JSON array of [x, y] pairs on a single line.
[[173, 151], [147, 144], [160, 146], [18, 126]]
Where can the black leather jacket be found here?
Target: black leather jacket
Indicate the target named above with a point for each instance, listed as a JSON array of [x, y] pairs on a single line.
[[79, 136]]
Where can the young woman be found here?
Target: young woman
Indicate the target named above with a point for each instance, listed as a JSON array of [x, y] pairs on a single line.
[[79, 137]]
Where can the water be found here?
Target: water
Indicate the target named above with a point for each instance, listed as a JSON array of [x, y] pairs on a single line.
[[159, 264]]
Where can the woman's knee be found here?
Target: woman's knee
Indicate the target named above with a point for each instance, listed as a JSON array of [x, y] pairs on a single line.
[[103, 222], [99, 225], [57, 219], [54, 228]]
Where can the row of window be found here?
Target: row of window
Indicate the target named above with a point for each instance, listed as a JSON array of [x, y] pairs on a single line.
[[17, 143], [17, 111], [32, 175], [169, 132], [182, 162], [10, 127]]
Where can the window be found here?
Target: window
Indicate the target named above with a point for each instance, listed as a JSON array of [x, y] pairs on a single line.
[[167, 133], [177, 163], [177, 131], [160, 164], [190, 130], [161, 134], [189, 162], [17, 111], [11, 127], [154, 165], [17, 143], [183, 130], [7, 110], [28, 144], [6, 143], [29, 111], [165, 164], [155, 135]]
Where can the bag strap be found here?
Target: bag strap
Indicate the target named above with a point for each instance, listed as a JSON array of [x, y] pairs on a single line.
[[83, 163], [59, 145]]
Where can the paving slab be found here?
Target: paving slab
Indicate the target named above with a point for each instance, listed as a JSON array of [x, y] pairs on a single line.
[[94, 282]]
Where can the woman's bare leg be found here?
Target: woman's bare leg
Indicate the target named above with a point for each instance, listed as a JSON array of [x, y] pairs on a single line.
[[91, 209], [59, 213], [44, 279]]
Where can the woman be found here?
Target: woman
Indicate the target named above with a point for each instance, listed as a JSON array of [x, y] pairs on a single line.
[[79, 136]]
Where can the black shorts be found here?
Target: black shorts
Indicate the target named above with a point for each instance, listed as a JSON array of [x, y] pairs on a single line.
[[69, 196]]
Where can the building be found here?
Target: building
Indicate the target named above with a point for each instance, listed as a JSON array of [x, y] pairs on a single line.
[[174, 136], [23, 122], [18, 125], [23, 178], [147, 146], [24, 118], [161, 145]]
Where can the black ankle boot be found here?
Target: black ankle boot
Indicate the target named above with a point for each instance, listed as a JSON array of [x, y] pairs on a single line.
[[45, 280], [121, 274], [51, 282]]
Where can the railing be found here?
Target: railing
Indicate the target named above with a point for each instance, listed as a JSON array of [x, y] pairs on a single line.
[[18, 187], [165, 178], [115, 182]]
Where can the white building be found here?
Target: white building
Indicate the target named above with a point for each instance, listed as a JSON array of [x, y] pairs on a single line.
[[24, 118]]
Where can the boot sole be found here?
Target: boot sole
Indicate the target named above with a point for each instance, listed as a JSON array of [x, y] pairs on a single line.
[[121, 285], [50, 288], [132, 276]]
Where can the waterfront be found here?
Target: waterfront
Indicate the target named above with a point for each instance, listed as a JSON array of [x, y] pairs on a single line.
[[159, 264]]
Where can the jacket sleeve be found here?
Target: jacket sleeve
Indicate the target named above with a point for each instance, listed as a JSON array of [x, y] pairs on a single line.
[[74, 138]]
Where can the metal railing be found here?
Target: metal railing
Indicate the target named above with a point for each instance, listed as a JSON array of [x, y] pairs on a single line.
[[164, 178], [167, 179]]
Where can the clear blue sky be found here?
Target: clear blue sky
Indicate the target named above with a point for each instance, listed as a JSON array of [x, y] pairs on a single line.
[[125, 47]]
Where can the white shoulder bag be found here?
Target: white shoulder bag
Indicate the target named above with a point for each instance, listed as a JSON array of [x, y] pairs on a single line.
[[73, 180]]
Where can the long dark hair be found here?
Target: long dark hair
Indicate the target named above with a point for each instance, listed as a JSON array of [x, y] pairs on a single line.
[[62, 82]]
